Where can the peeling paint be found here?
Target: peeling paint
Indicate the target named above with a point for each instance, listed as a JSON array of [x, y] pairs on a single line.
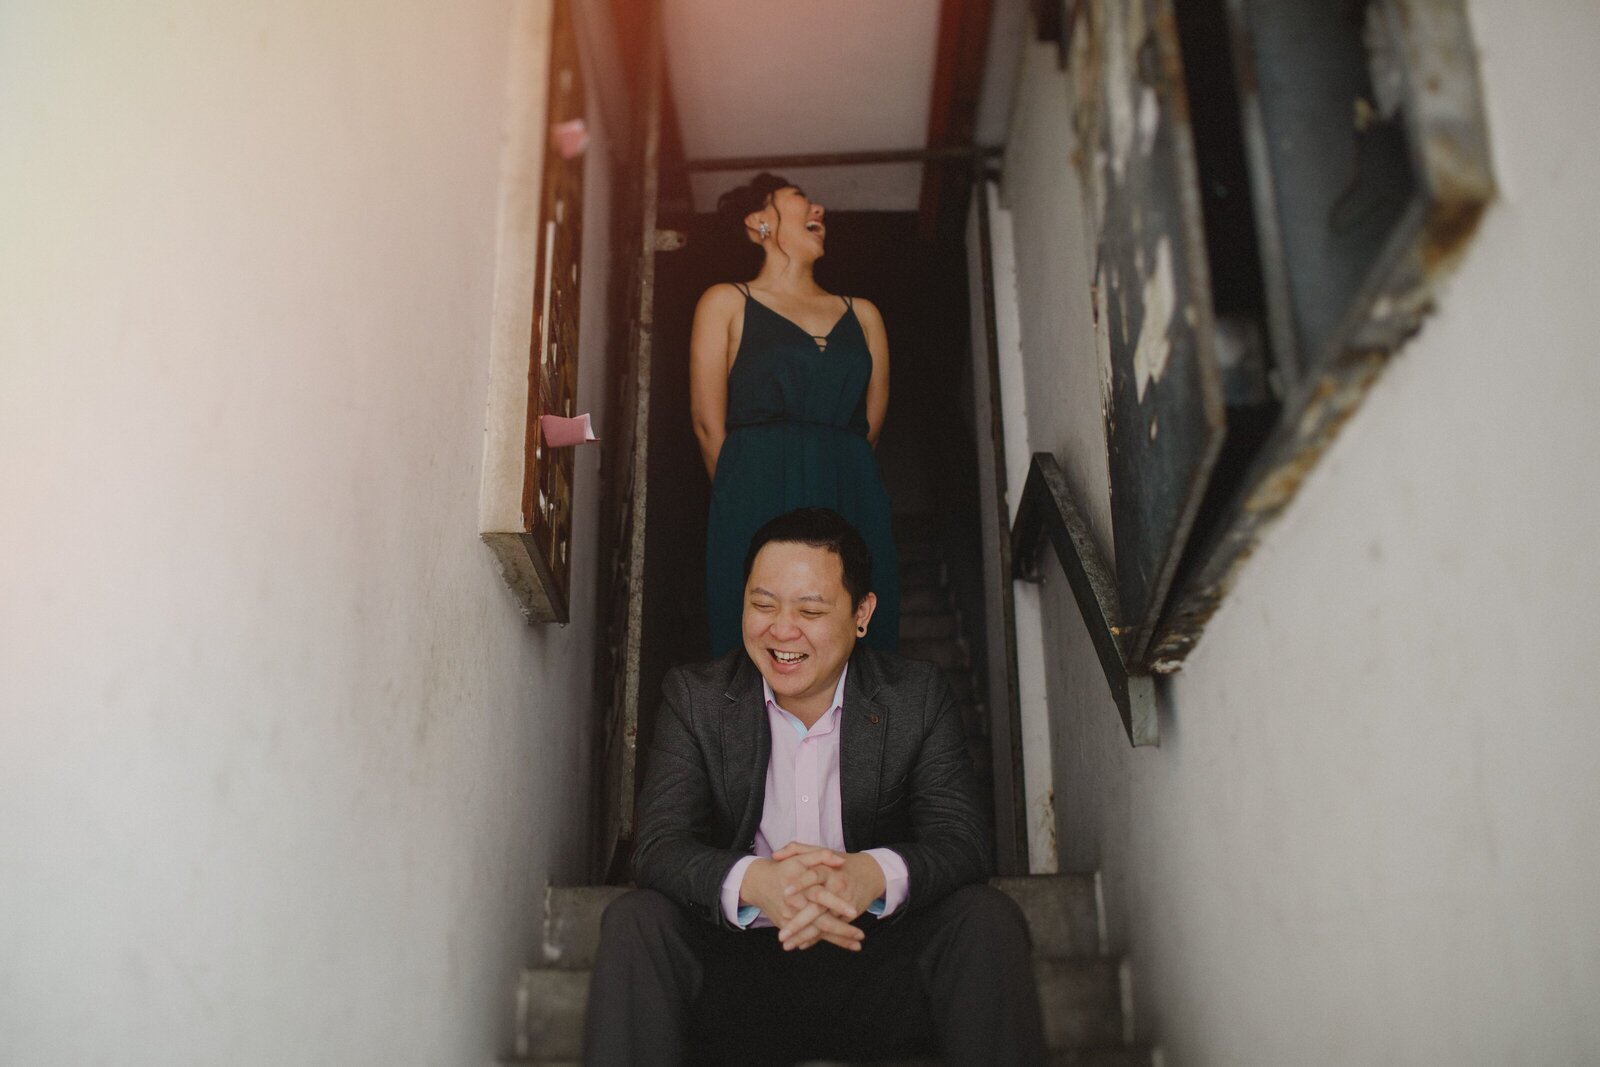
[[1149, 120], [1102, 346], [1159, 303], [1119, 83]]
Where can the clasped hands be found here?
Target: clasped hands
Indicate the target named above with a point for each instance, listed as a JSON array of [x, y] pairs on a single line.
[[813, 893]]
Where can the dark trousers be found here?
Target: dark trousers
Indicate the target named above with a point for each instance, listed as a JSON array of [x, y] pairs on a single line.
[[953, 979]]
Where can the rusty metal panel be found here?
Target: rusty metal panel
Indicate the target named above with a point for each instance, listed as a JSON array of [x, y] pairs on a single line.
[[1164, 415], [1333, 185], [1370, 169], [1369, 159]]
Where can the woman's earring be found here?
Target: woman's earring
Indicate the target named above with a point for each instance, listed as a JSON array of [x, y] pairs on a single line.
[[764, 230]]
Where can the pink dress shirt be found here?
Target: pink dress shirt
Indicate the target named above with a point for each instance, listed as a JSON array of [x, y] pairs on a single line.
[[802, 804]]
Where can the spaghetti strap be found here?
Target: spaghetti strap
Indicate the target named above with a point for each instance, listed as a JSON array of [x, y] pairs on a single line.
[[743, 288], [849, 302]]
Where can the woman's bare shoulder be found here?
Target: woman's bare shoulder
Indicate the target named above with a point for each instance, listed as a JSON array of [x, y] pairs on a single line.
[[721, 298], [867, 311]]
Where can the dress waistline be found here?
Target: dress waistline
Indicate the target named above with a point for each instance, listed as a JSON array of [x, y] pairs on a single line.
[[798, 422]]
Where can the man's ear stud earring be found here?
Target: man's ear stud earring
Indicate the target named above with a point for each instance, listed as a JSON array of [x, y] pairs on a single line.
[[764, 230], [861, 631]]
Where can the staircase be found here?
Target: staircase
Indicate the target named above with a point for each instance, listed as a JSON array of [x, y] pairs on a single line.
[[931, 629], [1083, 993]]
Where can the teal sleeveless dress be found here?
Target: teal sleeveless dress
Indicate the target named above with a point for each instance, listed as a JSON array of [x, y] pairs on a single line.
[[797, 437]]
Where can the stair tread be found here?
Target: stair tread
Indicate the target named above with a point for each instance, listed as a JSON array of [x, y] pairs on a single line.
[[931, 625], [947, 652], [572, 923], [1104, 1056], [922, 574], [918, 525], [928, 598], [917, 550], [1063, 912], [1081, 1001], [1061, 909]]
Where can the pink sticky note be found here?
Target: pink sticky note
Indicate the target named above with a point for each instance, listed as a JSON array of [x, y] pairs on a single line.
[[571, 138], [559, 432]]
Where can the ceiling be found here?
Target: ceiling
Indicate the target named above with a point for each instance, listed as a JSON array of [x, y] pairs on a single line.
[[779, 77]]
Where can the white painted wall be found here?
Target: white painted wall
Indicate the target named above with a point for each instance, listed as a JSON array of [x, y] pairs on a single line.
[[282, 771], [1370, 832]]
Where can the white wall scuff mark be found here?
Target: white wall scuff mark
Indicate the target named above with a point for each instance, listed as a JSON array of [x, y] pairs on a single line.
[[1149, 120]]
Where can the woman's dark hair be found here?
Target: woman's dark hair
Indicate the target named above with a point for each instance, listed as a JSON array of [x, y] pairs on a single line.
[[820, 528], [753, 195], [743, 257]]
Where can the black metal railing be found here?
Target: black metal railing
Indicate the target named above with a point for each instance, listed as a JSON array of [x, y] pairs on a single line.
[[1048, 512]]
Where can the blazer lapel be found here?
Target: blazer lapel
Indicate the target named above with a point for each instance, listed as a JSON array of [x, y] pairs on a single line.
[[863, 726], [746, 748]]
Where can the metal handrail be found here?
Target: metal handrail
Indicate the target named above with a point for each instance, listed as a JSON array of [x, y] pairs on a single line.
[[1048, 511]]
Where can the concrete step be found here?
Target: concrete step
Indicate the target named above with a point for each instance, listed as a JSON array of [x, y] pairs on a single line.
[[928, 598], [1082, 1002], [919, 526], [925, 625], [975, 715], [1062, 909], [962, 687], [1081, 993], [1081, 999], [550, 1007], [918, 550], [1107, 1056], [928, 574], [572, 924], [949, 653]]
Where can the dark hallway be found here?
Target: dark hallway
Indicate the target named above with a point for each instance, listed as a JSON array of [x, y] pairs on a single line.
[[925, 451]]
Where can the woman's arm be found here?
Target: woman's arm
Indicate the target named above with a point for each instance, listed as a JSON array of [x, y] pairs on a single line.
[[710, 349], [878, 387]]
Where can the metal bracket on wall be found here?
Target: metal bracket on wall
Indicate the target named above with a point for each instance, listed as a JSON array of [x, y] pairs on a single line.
[[1048, 511]]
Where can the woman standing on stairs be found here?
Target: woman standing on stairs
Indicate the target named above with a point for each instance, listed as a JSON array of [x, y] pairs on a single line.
[[788, 388]]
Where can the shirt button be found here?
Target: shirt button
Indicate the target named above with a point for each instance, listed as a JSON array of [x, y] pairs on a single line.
[[805, 800]]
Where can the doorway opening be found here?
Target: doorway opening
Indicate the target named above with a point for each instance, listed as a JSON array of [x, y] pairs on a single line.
[[925, 451]]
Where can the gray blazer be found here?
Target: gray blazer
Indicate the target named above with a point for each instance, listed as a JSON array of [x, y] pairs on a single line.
[[905, 779]]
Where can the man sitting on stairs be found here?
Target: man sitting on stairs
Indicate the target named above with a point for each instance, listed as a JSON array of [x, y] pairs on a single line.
[[810, 850]]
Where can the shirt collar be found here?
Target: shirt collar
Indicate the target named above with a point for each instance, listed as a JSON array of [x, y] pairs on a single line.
[[800, 727]]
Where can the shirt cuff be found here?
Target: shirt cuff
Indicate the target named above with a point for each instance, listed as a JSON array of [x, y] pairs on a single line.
[[896, 881], [731, 909]]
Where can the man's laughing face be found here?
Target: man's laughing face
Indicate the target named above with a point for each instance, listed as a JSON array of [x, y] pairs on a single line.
[[799, 624]]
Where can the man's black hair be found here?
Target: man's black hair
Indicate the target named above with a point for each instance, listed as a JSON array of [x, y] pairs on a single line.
[[820, 528]]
